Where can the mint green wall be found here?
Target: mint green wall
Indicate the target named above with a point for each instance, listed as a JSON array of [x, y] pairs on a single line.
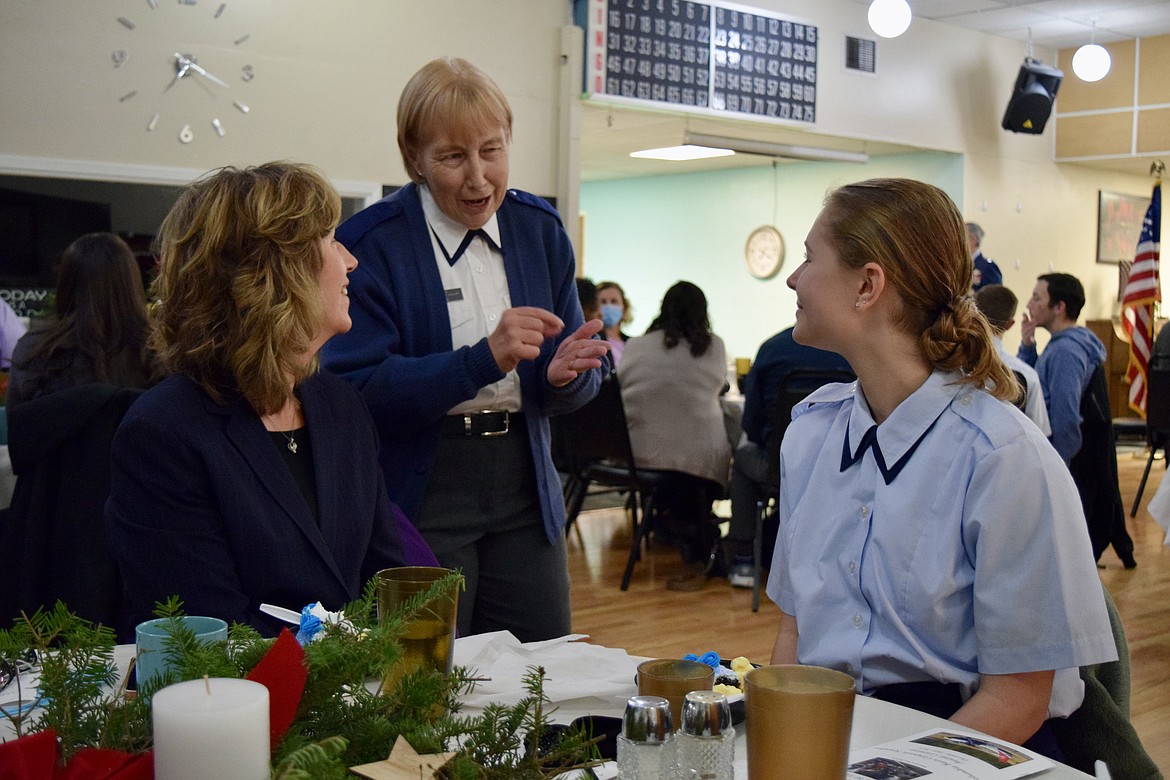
[[648, 233]]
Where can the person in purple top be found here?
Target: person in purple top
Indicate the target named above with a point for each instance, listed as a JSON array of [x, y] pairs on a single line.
[[11, 329]]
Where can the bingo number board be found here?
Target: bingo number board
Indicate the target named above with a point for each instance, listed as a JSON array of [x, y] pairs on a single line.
[[708, 57]]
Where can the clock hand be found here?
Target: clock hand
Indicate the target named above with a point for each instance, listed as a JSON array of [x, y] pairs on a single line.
[[187, 64]]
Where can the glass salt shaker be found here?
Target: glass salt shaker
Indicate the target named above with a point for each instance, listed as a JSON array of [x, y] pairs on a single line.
[[646, 746], [706, 738]]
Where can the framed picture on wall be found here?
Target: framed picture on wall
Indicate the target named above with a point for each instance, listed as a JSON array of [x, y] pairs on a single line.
[[1119, 225]]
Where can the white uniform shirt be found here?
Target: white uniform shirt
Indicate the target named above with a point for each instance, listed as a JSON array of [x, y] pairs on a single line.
[[477, 296], [1034, 406], [974, 559]]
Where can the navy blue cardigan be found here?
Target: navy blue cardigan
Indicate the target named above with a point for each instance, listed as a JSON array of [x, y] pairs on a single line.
[[399, 352]]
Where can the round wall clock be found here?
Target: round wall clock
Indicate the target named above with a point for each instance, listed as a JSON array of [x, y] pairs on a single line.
[[764, 252], [186, 68]]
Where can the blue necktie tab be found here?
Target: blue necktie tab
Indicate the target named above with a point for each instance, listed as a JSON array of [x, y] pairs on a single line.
[[870, 442], [466, 242]]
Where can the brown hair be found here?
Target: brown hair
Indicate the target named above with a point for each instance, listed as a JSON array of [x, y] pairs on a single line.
[[237, 293], [447, 92], [915, 233], [100, 315], [998, 305]]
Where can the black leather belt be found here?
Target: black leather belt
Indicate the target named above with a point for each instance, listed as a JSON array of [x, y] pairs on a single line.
[[483, 423]]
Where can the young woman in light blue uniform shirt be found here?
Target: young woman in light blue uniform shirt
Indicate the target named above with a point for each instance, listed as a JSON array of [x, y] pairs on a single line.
[[930, 534]]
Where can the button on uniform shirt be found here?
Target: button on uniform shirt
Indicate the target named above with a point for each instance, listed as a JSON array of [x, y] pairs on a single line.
[[945, 543], [476, 286]]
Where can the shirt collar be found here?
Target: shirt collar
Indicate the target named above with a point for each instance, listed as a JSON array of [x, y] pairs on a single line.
[[449, 232], [910, 421]]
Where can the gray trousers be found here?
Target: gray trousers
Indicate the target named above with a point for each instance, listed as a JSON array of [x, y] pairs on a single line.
[[749, 471], [481, 514]]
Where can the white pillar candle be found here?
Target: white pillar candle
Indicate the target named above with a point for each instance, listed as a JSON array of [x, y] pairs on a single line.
[[211, 728]]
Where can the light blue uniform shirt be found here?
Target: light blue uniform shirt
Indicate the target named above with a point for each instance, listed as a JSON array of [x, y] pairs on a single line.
[[974, 558]]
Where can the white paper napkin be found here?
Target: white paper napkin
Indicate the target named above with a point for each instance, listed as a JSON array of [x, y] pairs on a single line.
[[580, 678]]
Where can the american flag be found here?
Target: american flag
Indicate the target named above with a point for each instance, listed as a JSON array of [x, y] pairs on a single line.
[[1141, 292]]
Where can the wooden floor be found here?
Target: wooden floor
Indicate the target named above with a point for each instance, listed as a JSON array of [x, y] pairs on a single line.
[[650, 619]]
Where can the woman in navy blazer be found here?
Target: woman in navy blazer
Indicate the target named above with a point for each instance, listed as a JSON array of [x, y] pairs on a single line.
[[246, 476]]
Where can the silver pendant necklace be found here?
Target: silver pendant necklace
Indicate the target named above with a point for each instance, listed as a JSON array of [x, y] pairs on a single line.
[[288, 436], [292, 442]]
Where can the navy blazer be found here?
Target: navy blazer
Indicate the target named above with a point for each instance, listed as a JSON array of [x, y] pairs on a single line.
[[203, 507], [399, 351]]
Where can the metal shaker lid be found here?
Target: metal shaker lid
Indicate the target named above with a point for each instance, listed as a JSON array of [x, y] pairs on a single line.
[[647, 719], [705, 714]]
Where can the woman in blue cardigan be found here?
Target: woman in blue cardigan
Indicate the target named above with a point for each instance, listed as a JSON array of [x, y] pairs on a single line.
[[467, 335], [247, 476]]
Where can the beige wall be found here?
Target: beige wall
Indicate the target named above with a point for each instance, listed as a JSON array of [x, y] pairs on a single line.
[[328, 76]]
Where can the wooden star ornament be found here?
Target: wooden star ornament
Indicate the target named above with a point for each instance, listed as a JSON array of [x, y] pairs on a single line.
[[404, 764]]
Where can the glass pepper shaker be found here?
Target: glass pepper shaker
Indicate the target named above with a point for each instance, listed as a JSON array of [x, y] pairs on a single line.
[[706, 738], [646, 746]]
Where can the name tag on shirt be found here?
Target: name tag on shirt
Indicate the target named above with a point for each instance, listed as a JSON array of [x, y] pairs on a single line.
[[455, 294]]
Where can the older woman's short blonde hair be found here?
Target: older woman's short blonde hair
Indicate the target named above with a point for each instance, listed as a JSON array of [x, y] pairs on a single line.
[[447, 93], [238, 301]]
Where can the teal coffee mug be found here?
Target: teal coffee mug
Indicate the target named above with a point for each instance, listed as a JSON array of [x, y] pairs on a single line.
[[151, 638]]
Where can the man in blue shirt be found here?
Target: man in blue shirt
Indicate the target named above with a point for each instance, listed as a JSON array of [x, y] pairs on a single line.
[[986, 271], [749, 468]]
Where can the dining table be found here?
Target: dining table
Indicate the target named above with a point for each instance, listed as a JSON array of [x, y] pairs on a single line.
[[582, 678]]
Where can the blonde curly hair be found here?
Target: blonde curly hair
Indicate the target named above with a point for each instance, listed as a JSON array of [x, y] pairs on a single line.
[[237, 300], [915, 233]]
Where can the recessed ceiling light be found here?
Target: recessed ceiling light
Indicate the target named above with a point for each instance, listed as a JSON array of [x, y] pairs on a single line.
[[685, 152]]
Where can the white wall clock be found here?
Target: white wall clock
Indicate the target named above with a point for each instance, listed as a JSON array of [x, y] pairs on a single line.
[[764, 252], [183, 67]]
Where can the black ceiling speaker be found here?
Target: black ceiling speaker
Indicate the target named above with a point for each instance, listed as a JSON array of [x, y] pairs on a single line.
[[1031, 101]]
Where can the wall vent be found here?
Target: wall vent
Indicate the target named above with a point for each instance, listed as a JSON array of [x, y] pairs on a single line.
[[860, 54]]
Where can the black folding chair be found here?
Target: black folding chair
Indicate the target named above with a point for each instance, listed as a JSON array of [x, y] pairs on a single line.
[[1157, 423], [794, 388], [594, 445]]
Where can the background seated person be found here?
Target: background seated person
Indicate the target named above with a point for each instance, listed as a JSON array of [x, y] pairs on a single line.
[[671, 379], [247, 476], [615, 312], [73, 377], [931, 546], [98, 330], [749, 466], [998, 305]]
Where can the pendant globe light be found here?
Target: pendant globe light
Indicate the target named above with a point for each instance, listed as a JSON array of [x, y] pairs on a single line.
[[1091, 62], [889, 18]]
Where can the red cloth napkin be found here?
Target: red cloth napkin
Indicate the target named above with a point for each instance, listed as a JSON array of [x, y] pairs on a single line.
[[34, 757], [281, 670]]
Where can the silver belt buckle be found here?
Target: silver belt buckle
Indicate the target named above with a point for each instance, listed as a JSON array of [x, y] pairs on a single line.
[[507, 423]]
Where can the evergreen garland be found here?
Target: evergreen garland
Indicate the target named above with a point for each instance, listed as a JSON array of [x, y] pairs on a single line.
[[340, 722]]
